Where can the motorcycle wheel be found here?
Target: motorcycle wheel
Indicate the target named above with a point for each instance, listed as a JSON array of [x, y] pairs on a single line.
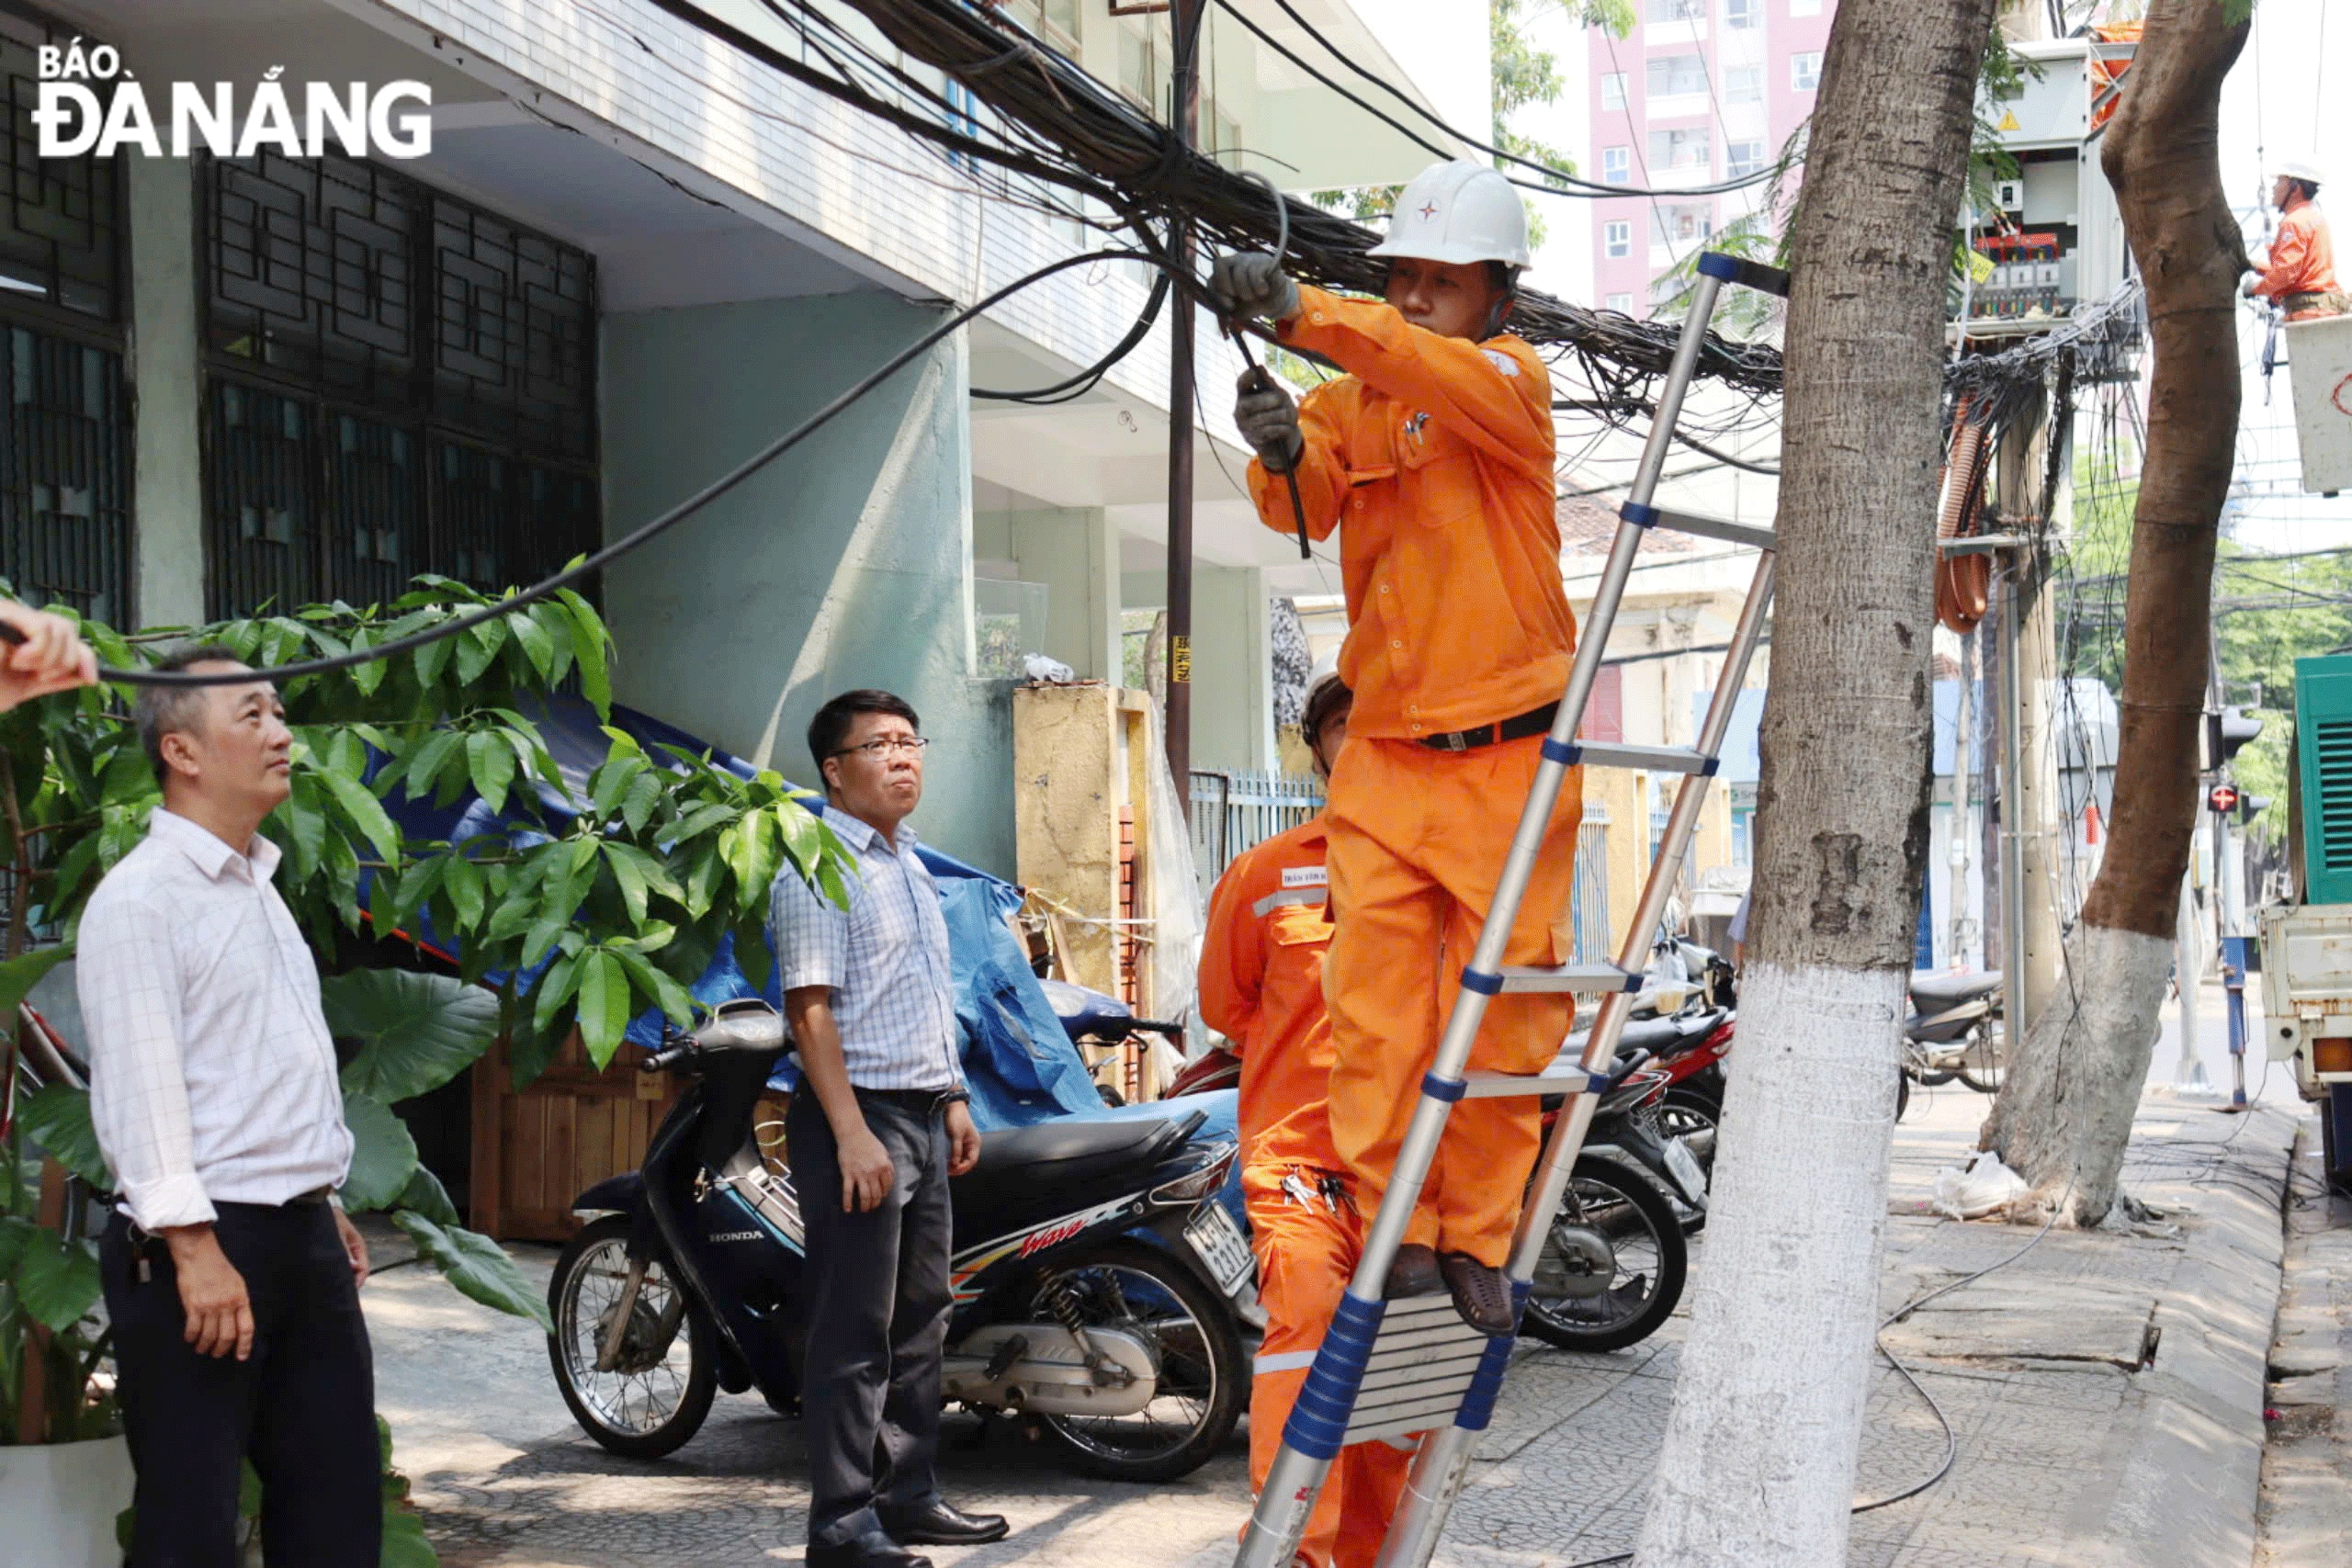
[[1650, 1258], [1902, 1093], [1981, 1069], [1684, 1111], [1203, 1372], [659, 1395]]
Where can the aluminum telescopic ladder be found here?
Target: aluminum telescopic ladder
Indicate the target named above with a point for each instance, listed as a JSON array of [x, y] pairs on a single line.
[[1388, 1369]]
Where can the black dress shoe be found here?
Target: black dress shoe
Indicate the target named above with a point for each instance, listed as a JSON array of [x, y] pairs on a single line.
[[1480, 1294], [871, 1549], [943, 1524], [1412, 1272]]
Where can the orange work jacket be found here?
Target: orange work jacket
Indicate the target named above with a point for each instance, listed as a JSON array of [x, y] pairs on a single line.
[[1436, 453], [1261, 976], [2302, 255]]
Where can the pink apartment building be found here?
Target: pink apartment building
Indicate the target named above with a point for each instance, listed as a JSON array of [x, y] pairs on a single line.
[[1703, 92]]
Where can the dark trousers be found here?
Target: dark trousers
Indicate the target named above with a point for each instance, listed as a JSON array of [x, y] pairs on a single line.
[[878, 1302], [303, 1408]]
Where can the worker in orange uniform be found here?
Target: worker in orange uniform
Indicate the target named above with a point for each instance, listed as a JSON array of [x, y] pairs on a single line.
[[1262, 988], [1434, 459], [2300, 274]]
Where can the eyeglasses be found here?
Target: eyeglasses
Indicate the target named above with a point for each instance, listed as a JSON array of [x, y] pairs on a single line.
[[912, 745]]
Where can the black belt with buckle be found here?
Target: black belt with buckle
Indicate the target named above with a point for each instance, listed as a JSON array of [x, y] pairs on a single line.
[[1538, 722]]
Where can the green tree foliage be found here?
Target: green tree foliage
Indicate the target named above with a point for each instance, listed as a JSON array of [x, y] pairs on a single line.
[[610, 895], [1523, 75]]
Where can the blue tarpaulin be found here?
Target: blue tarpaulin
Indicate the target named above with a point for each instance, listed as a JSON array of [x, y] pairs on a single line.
[[1018, 1062]]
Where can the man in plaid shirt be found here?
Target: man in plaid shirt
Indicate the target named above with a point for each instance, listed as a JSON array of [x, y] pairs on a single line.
[[880, 1122]]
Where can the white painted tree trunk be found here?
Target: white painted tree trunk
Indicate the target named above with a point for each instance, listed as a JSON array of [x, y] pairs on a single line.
[[2079, 1073], [1761, 1452]]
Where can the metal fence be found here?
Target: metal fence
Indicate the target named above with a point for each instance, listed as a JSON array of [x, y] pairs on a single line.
[[1233, 811]]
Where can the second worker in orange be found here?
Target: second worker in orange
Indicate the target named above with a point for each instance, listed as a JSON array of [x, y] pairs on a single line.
[[1432, 458]]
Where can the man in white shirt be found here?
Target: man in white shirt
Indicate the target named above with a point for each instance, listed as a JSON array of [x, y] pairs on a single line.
[[232, 1276]]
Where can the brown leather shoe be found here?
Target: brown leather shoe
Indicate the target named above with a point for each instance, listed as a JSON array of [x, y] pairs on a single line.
[[1413, 1273], [1481, 1294]]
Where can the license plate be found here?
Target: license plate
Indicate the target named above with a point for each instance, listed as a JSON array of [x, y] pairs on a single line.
[[1221, 1245], [1687, 1172]]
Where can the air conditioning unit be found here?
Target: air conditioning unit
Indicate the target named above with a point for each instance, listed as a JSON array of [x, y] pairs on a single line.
[[2009, 194]]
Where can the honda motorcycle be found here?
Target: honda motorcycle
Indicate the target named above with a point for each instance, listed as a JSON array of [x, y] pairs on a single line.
[[1613, 1263], [1951, 1033], [1094, 1276]]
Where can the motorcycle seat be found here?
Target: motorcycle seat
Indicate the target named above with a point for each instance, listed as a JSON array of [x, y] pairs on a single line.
[[1933, 992], [1086, 1012], [1077, 1148], [1665, 1036]]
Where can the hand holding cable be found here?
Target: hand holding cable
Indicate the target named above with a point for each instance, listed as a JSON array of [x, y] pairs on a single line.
[[1246, 284]]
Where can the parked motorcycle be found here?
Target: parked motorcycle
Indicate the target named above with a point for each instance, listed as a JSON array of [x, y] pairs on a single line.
[[1951, 1033], [1096, 1020], [1093, 1275], [1613, 1267]]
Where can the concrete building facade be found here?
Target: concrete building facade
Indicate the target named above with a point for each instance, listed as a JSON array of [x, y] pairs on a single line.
[[634, 254]]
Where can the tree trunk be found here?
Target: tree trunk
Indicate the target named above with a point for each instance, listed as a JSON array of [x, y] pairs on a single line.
[[1759, 1455], [2065, 1111]]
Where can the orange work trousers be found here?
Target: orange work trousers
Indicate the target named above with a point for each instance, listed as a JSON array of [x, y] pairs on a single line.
[[1307, 1235], [1417, 839]]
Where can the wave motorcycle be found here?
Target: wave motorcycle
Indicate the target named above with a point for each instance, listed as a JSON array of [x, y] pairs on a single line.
[[1094, 1276]]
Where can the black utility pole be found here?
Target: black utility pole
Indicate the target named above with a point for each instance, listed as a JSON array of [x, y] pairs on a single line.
[[1184, 109]]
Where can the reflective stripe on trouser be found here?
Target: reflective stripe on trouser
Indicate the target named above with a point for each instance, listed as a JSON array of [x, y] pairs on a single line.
[[1306, 1249], [1417, 839]]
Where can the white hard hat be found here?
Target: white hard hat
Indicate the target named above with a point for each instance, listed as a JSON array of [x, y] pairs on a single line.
[[1458, 212], [1326, 676], [2298, 169]]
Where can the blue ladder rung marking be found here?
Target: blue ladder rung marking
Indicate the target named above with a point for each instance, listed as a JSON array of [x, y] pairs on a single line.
[[1318, 1422], [1447, 1089], [1638, 514], [1712, 763], [1487, 1383], [1564, 753], [1748, 274], [1485, 984]]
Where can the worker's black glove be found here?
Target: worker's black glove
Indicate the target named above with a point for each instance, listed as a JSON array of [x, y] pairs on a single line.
[[1252, 283], [1268, 420]]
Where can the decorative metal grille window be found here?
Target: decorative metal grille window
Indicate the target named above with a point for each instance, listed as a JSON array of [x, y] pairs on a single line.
[[64, 475], [61, 219], [441, 362], [65, 454]]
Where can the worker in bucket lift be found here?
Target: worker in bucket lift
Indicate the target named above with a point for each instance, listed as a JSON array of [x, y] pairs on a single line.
[[1434, 459], [1262, 988], [2298, 276]]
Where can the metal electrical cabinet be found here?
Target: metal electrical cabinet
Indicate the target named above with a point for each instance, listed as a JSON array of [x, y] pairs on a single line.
[[2307, 943]]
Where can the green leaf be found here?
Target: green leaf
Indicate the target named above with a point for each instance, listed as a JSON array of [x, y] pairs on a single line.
[[673, 998], [404, 1543], [383, 1156], [127, 778], [701, 820], [462, 882], [630, 876], [57, 1117], [588, 651], [364, 812], [554, 989], [476, 648], [57, 1280], [476, 1266], [306, 823], [16, 1234], [416, 1032], [425, 1195], [434, 658], [644, 795], [603, 1005], [545, 932], [425, 764], [370, 675], [613, 781], [489, 757], [536, 644], [19, 974]]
